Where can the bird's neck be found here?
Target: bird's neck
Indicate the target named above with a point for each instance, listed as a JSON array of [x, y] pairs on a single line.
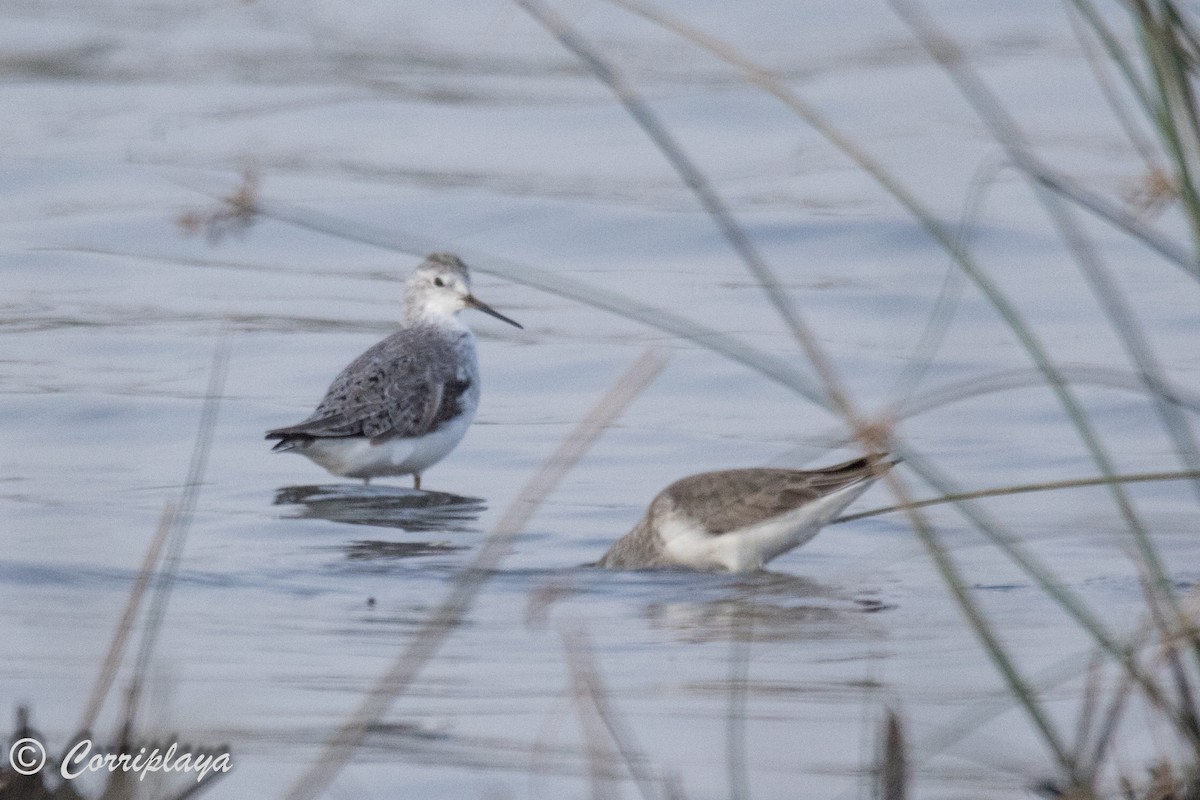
[[432, 318]]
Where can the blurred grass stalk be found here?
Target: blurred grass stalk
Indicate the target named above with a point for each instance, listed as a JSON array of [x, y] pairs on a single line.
[[1119, 311], [891, 770], [1165, 32], [601, 723], [156, 576], [1173, 58], [875, 435], [1168, 45], [467, 584], [1051, 373]]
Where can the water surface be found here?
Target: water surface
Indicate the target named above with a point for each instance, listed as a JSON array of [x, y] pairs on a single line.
[[470, 126]]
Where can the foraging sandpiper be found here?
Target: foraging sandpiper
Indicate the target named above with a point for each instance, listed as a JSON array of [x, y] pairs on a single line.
[[739, 519], [401, 406]]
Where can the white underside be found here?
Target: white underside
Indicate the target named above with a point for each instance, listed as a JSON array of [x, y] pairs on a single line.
[[751, 547], [357, 457]]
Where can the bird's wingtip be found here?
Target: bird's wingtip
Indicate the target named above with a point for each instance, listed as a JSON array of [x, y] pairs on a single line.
[[284, 444]]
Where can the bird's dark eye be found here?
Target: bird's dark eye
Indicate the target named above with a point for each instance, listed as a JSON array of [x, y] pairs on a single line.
[[438, 282]]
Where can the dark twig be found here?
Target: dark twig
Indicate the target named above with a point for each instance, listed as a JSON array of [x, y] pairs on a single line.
[[892, 770]]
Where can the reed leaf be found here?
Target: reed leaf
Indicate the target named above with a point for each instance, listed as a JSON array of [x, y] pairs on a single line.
[[1118, 310]]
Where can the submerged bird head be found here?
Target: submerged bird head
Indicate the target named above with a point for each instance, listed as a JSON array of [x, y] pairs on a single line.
[[440, 288]]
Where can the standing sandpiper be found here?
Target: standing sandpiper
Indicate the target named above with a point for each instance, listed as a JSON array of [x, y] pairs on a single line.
[[400, 407], [739, 519]]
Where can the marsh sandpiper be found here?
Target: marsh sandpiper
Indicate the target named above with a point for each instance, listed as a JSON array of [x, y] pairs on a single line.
[[739, 519], [405, 403]]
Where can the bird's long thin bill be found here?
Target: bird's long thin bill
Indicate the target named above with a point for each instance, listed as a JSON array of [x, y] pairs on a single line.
[[475, 302]]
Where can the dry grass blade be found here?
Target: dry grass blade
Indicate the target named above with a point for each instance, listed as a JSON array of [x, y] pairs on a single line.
[[952, 578], [947, 239], [116, 648], [1025, 488], [1106, 727], [709, 200], [1050, 371], [453, 609], [180, 521], [944, 306], [874, 437], [772, 368], [1006, 380], [1090, 702], [599, 753], [585, 677], [1163, 40]]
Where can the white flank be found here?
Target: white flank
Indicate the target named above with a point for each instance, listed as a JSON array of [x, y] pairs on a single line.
[[749, 548], [357, 457]]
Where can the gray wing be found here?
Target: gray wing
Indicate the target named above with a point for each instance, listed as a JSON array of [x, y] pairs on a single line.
[[405, 385], [731, 499]]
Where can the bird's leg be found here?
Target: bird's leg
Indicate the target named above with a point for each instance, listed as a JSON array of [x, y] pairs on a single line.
[[366, 481], [417, 481]]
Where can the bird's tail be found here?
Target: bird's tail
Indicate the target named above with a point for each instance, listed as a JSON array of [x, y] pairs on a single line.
[[287, 440], [866, 467]]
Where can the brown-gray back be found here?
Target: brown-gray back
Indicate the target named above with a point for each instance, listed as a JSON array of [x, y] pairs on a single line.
[[727, 500]]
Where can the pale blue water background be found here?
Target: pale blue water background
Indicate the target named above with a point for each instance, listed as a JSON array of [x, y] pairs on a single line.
[[469, 125]]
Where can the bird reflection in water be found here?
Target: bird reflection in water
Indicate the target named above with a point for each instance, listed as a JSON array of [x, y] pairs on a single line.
[[387, 507], [764, 607]]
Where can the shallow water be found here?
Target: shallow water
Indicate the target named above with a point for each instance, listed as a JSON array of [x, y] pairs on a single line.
[[471, 127]]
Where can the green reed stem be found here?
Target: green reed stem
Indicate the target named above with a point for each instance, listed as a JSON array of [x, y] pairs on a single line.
[[952, 578], [841, 401], [1173, 108], [659, 319], [1005, 308], [1118, 310], [712, 203]]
